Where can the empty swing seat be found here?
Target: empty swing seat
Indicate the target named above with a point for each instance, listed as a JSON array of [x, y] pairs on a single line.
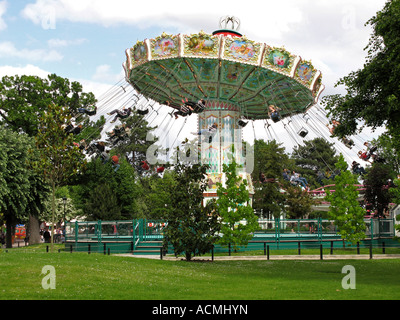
[[143, 112], [242, 123], [303, 132]]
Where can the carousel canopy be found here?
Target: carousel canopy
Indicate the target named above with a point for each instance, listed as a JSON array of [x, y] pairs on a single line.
[[223, 68]]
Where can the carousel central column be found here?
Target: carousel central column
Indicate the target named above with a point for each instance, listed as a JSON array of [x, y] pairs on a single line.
[[217, 149]]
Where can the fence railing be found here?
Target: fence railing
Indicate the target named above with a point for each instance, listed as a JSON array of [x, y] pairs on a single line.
[[320, 228], [137, 230], [119, 231]]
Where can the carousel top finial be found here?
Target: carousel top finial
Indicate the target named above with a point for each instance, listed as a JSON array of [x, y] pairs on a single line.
[[224, 25], [224, 21]]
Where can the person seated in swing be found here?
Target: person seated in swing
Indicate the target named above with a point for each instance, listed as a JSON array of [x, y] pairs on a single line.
[[377, 158], [75, 130], [321, 177], [200, 106], [208, 133], [82, 145], [349, 143], [273, 113], [121, 133], [160, 169], [184, 110], [295, 179], [125, 113], [197, 107], [370, 148], [67, 127], [90, 111], [333, 127], [145, 165], [364, 156], [357, 169], [286, 174], [118, 130], [105, 155], [115, 162], [96, 147]]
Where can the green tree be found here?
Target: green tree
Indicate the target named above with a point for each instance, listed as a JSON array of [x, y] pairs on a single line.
[[24, 98], [102, 204], [377, 191], [19, 185], [298, 202], [386, 145], [344, 206], [59, 159], [139, 140], [192, 227], [395, 194], [270, 160], [39, 195], [122, 186], [372, 93], [317, 155], [158, 194], [238, 220]]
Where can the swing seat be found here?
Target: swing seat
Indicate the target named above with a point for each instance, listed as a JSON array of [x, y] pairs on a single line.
[[303, 132], [143, 112], [242, 123]]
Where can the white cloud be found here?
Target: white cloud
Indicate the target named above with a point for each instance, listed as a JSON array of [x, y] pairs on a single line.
[[104, 74], [178, 14], [8, 50], [26, 70], [3, 9]]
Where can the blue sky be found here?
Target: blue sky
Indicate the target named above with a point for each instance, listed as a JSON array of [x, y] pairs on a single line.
[[76, 50], [85, 40]]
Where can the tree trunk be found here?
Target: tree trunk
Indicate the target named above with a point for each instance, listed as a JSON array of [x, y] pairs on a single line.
[[53, 210], [34, 231], [10, 227], [188, 255]]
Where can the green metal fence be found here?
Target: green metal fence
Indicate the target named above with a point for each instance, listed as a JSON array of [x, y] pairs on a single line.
[[127, 235], [118, 231]]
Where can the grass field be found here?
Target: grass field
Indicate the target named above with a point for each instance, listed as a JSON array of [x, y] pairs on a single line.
[[82, 276]]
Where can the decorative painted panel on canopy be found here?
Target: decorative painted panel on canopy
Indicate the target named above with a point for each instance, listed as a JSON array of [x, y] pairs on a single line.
[[305, 73], [242, 50], [201, 45], [278, 59], [164, 46]]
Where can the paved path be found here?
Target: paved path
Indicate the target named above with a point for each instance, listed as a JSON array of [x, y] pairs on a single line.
[[273, 257]]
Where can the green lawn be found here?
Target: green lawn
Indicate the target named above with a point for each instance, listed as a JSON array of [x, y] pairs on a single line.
[[82, 276]]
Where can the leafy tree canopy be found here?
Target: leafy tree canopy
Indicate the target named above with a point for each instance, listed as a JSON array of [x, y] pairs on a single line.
[[192, 227], [315, 156], [24, 98]]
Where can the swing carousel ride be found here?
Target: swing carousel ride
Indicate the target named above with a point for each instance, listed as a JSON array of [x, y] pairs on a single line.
[[228, 81], [236, 79]]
